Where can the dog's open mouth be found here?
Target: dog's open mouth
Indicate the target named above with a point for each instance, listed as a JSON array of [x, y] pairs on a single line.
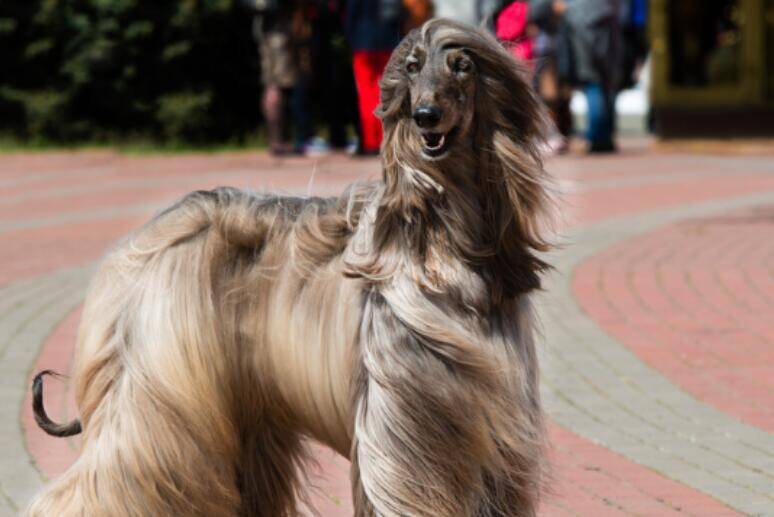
[[435, 145]]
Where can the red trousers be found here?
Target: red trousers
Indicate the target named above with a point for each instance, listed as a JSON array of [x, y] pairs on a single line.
[[368, 66]]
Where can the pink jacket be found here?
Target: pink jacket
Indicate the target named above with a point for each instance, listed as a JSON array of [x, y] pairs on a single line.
[[511, 28]]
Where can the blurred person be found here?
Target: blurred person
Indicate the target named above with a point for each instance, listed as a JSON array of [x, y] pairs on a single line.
[[553, 75], [304, 16], [634, 16], [334, 81], [595, 35], [373, 29], [272, 30], [591, 31], [512, 28]]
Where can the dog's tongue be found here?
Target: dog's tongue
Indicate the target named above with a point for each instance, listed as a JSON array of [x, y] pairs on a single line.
[[434, 140]]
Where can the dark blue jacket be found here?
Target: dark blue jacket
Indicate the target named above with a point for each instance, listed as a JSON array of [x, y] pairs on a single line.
[[373, 24]]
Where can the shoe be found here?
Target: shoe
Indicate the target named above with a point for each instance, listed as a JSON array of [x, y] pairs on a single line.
[[603, 147]]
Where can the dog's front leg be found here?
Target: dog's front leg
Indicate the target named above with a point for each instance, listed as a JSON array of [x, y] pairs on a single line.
[[422, 438]]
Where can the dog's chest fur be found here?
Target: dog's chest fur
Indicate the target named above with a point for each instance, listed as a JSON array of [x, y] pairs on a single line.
[[315, 310]]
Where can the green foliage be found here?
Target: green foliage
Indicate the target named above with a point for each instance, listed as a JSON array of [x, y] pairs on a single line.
[[183, 114], [101, 70]]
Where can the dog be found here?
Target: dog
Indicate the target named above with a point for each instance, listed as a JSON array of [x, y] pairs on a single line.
[[392, 323]]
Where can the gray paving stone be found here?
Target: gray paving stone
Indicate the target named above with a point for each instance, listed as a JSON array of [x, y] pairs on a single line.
[[600, 390], [592, 385], [81, 172], [30, 320]]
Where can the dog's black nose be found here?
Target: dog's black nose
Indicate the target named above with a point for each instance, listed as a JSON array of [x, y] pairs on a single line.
[[428, 116]]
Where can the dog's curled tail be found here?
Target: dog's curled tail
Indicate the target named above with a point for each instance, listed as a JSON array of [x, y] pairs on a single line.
[[41, 417]]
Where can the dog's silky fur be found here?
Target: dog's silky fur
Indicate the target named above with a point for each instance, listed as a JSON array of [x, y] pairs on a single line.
[[393, 324]]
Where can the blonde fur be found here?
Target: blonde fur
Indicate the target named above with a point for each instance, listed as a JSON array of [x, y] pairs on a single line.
[[392, 323]]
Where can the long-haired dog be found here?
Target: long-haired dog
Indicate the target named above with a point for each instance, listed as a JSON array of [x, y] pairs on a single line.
[[393, 323]]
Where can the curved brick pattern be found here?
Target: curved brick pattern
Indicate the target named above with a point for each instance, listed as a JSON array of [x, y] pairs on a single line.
[[587, 479], [52, 457], [31, 310], [75, 225], [605, 203], [590, 480], [630, 442], [695, 300], [603, 392]]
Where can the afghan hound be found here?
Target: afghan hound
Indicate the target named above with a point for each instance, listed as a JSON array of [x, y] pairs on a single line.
[[393, 323]]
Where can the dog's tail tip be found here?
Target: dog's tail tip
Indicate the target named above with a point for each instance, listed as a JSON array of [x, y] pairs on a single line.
[[41, 417]]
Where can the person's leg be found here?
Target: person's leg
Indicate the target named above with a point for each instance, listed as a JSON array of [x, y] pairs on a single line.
[[273, 114], [333, 76], [564, 120], [302, 118], [593, 111], [599, 132], [336, 113], [611, 116], [368, 67], [365, 79]]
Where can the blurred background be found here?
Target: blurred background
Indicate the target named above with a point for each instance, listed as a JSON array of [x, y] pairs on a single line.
[[658, 351], [299, 74]]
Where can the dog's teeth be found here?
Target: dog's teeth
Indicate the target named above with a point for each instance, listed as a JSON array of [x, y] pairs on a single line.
[[437, 146]]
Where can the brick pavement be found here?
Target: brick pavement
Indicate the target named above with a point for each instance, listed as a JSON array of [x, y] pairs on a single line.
[[636, 428], [705, 287]]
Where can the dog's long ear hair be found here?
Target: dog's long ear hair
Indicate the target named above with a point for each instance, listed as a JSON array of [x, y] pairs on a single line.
[[509, 124]]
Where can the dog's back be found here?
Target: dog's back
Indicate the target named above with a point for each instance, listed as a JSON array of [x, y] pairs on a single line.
[[172, 380]]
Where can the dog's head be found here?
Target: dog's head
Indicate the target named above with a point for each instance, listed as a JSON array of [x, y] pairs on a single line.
[[447, 83], [441, 82], [461, 117]]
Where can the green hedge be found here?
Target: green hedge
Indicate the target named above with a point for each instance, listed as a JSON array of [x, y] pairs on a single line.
[[103, 70]]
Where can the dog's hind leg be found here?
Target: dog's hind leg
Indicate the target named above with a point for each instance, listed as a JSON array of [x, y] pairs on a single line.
[[160, 380], [156, 390]]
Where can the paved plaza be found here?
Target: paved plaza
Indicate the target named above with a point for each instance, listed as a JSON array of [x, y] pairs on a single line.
[[657, 347]]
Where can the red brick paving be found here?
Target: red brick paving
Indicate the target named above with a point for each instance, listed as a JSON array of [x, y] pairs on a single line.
[[29, 253], [53, 456], [587, 479], [19, 164], [597, 205], [695, 301], [590, 480]]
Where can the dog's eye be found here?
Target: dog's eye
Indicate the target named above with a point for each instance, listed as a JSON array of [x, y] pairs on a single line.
[[461, 66], [412, 67]]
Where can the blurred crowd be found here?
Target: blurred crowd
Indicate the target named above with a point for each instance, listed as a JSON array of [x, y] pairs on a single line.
[[321, 61]]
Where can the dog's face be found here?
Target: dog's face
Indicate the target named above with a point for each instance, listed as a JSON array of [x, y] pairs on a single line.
[[441, 87]]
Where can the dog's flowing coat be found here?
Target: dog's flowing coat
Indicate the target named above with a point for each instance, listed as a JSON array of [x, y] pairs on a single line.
[[392, 324]]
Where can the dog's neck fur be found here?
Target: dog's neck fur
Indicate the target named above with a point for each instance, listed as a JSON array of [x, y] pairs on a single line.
[[423, 210], [433, 213]]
